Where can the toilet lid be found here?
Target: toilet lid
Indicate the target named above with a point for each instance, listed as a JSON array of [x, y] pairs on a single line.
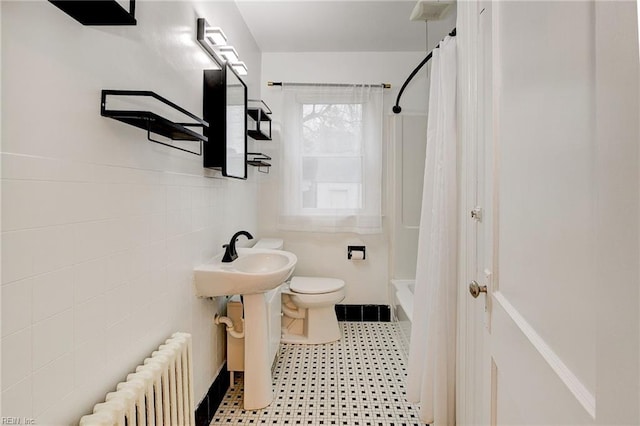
[[315, 285]]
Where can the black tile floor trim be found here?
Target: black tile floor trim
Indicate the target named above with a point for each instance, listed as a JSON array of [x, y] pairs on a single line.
[[341, 312], [359, 380], [360, 313], [212, 400], [354, 312]]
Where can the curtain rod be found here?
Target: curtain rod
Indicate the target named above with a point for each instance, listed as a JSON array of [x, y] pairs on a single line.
[[396, 108], [280, 83]]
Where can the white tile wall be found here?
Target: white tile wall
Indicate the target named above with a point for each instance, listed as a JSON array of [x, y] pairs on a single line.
[[19, 397], [100, 228], [52, 338], [89, 357], [16, 357], [85, 299], [17, 261], [89, 279], [52, 293], [52, 382], [16, 306], [88, 317], [53, 249]]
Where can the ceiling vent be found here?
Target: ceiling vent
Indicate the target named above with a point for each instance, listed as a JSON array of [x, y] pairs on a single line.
[[431, 10]]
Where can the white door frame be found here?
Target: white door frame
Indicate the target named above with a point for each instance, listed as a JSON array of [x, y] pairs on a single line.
[[467, 343]]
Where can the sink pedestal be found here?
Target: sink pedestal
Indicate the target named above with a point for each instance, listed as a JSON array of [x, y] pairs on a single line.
[[257, 369], [251, 274]]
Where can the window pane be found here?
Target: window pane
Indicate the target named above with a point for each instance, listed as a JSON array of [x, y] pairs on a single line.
[[332, 128], [332, 169], [332, 182], [336, 196]]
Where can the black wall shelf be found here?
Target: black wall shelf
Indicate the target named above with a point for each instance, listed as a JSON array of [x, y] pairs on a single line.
[[257, 159], [259, 120], [98, 12], [154, 123]]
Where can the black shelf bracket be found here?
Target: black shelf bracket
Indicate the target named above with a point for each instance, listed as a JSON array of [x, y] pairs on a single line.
[[259, 116], [199, 152], [257, 159], [154, 123]]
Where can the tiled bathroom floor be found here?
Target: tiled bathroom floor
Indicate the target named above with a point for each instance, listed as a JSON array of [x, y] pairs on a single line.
[[357, 381]]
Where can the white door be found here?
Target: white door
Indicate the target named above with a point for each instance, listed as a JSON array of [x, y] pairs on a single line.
[[555, 156]]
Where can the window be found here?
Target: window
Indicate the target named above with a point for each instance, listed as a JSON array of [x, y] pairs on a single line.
[[331, 156], [332, 144]]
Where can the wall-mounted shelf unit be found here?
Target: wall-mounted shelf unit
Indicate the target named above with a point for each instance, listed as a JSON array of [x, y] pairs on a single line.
[[98, 12], [259, 119], [150, 121], [257, 159]]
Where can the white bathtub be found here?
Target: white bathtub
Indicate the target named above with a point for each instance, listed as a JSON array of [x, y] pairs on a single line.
[[403, 306]]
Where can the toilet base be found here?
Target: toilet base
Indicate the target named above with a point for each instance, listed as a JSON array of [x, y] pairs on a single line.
[[321, 326]]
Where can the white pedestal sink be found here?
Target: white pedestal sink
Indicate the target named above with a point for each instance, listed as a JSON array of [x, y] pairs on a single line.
[[253, 273]]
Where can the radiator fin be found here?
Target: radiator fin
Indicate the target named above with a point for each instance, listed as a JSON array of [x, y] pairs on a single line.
[[160, 392]]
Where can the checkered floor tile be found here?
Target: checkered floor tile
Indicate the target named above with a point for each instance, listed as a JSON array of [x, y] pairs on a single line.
[[357, 381]]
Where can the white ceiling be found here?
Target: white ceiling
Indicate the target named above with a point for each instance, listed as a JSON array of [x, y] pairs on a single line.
[[333, 26]]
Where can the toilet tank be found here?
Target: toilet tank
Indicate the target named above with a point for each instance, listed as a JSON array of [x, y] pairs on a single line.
[[270, 243]]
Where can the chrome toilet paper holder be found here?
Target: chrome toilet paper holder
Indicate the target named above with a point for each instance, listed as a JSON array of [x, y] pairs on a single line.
[[351, 249]]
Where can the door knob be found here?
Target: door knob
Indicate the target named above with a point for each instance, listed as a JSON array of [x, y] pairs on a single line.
[[475, 289]]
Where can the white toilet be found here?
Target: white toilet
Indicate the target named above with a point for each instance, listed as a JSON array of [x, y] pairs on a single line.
[[308, 305]]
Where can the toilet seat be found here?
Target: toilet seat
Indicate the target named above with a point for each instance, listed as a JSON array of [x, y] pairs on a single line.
[[315, 285], [308, 305]]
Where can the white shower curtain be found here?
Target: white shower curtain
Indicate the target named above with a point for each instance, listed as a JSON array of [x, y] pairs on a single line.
[[431, 375]]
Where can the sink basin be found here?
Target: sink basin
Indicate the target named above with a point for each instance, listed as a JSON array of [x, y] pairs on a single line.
[[254, 271]]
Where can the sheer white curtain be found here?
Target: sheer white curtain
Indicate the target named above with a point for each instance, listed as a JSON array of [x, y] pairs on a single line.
[[431, 375], [331, 171]]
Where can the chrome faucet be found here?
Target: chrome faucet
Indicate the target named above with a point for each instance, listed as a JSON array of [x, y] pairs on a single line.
[[230, 253]]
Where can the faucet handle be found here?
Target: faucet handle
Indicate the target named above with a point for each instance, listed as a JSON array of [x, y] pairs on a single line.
[[224, 246]]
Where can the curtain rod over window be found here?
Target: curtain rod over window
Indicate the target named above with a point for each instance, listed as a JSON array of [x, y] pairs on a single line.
[[280, 83]]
